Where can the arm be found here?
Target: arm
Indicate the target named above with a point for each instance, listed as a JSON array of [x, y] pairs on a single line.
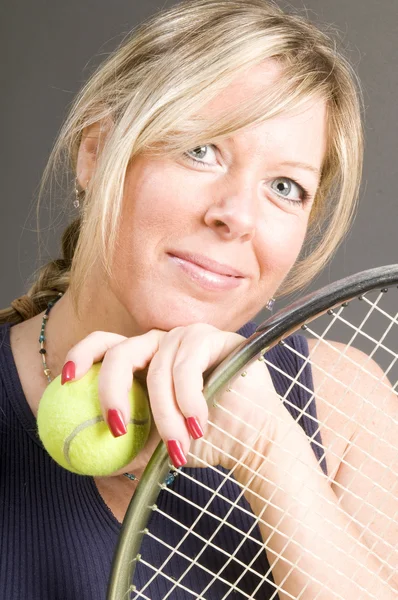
[[340, 529]]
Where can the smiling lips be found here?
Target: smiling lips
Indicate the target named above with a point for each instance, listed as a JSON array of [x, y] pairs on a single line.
[[208, 273]]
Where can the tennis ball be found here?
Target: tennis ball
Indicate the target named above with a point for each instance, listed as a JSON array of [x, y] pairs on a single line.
[[73, 430]]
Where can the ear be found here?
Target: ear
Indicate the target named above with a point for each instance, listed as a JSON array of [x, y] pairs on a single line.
[[92, 142]]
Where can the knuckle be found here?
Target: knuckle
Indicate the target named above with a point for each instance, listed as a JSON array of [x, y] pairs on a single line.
[[156, 334], [176, 332], [202, 328], [156, 371], [160, 413], [181, 368], [177, 329], [114, 352], [90, 340], [95, 335]]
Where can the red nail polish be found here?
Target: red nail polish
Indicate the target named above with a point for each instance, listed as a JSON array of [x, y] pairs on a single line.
[[194, 427], [116, 423], [176, 454], [68, 372]]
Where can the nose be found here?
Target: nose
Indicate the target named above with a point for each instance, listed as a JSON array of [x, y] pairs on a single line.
[[233, 213]]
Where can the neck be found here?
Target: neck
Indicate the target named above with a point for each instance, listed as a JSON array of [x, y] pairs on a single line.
[[99, 310]]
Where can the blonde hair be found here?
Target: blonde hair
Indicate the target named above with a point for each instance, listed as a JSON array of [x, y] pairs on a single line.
[[148, 93]]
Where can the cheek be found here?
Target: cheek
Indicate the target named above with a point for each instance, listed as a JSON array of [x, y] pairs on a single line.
[[154, 201], [281, 243], [280, 246]]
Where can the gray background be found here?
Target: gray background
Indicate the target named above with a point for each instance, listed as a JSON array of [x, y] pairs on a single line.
[[50, 48]]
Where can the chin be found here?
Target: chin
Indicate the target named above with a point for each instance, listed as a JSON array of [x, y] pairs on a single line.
[[165, 311]]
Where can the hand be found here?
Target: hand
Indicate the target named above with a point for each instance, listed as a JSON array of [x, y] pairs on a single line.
[[175, 363]]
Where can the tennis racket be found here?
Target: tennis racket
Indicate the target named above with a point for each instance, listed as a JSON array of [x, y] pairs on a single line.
[[209, 521]]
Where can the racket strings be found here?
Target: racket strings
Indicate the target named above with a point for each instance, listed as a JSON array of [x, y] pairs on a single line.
[[335, 406], [279, 556], [231, 558], [356, 496], [218, 576], [247, 568], [204, 512], [388, 471], [327, 377], [358, 522], [304, 411], [378, 546]]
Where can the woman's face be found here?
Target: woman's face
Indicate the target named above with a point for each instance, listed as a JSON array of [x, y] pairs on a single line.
[[210, 236]]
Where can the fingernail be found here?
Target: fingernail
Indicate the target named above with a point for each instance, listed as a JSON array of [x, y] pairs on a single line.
[[68, 372], [116, 423], [176, 454], [194, 428]]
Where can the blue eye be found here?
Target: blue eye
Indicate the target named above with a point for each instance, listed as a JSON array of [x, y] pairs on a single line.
[[203, 154], [198, 153], [285, 187]]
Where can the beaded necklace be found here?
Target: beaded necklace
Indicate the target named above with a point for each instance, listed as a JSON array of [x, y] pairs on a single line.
[[43, 352], [42, 338]]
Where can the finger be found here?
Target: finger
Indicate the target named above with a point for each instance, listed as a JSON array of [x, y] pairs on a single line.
[[116, 376], [169, 421], [196, 354], [88, 351], [175, 380], [120, 357]]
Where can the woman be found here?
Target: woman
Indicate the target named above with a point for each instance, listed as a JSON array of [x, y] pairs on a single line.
[[211, 172]]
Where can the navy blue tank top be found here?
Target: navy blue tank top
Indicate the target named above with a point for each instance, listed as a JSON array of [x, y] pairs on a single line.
[[57, 535]]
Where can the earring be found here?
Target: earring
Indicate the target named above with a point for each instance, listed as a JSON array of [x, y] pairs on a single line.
[[270, 304], [76, 202], [78, 194]]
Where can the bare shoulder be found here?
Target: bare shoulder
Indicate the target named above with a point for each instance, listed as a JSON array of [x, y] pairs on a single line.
[[358, 414], [354, 399]]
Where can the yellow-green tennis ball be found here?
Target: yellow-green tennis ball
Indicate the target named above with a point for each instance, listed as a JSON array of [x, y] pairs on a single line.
[[74, 433]]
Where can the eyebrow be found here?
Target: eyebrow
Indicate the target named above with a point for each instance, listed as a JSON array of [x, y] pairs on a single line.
[[300, 165]]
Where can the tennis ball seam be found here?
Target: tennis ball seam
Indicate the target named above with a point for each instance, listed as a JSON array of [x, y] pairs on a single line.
[[79, 428]]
